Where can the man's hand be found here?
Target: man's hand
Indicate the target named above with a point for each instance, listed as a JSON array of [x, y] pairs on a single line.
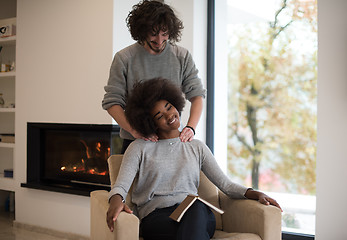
[[187, 134], [135, 134], [153, 138], [116, 206]]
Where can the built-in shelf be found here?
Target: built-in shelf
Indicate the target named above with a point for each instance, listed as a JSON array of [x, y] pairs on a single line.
[[5, 41], [7, 74], [7, 110], [7, 145], [7, 113], [6, 183]]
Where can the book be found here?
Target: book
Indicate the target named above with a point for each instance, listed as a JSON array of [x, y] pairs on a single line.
[[8, 173], [7, 138], [186, 203]]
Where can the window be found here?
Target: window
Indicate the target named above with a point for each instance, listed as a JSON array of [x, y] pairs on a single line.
[[265, 112]]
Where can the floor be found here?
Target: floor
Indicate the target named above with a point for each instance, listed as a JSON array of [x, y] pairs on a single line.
[[8, 232]]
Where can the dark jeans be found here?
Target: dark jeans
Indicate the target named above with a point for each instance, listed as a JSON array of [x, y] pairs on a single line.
[[198, 223], [126, 143]]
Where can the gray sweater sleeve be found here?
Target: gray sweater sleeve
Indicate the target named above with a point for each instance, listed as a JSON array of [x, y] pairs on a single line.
[[191, 83], [127, 173], [116, 86], [214, 173]]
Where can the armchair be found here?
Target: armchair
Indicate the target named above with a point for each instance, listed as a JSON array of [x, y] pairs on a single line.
[[242, 220]]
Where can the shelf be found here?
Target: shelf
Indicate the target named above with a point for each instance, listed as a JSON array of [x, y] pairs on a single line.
[[7, 113], [9, 110], [7, 145], [7, 74], [6, 183], [8, 41]]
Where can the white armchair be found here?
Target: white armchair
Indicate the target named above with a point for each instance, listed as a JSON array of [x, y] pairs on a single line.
[[242, 220]]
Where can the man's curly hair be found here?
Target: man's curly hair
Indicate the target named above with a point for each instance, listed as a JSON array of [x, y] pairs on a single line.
[[149, 17], [142, 99]]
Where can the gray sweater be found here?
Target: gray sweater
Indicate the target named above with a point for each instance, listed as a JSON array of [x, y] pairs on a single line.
[[165, 172], [134, 63]]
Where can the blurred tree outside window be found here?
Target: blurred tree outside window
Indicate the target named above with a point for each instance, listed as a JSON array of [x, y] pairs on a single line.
[[267, 51]]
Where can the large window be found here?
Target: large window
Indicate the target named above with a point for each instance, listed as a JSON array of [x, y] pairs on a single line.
[[265, 101]]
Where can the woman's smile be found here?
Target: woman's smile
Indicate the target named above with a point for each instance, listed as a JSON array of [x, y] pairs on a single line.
[[173, 120], [166, 118]]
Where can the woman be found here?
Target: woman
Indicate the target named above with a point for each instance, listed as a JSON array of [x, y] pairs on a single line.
[[168, 170]]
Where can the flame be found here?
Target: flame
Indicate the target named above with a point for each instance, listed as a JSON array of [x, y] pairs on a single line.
[[80, 167], [98, 146]]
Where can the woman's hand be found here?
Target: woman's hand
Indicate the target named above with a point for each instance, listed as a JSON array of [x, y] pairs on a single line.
[[116, 206], [262, 198]]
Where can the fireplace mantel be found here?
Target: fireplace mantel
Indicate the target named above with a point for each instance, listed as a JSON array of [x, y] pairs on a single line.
[[76, 189]]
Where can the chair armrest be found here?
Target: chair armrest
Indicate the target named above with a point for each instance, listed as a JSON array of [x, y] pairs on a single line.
[[249, 216], [125, 228]]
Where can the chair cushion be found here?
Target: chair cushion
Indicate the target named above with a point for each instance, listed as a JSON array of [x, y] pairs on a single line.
[[208, 191], [114, 162], [220, 235]]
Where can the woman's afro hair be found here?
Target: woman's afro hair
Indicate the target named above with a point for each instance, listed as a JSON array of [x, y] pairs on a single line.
[[144, 96]]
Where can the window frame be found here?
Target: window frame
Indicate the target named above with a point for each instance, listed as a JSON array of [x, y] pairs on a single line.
[[210, 74], [210, 101]]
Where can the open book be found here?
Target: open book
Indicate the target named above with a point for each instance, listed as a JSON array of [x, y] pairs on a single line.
[[186, 203]]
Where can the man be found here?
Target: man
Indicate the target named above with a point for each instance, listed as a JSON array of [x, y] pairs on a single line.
[[156, 29]]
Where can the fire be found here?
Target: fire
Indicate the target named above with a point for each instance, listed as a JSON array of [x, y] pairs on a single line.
[[98, 147], [81, 169], [92, 171], [84, 165]]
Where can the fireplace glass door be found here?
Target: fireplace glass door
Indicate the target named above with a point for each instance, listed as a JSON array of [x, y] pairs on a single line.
[[77, 156], [70, 158]]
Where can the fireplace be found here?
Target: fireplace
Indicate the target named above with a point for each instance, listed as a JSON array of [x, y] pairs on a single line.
[[70, 158]]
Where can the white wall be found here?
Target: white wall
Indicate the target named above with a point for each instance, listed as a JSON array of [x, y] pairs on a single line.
[[332, 120], [193, 14], [121, 34], [64, 51], [62, 66]]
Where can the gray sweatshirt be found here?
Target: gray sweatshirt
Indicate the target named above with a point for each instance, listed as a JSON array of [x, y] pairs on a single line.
[[134, 63], [165, 172]]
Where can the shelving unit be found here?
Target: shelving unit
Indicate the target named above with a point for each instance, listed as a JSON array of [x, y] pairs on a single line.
[[7, 112], [6, 145], [7, 74]]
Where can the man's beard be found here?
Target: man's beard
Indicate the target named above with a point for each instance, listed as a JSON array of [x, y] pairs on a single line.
[[157, 50]]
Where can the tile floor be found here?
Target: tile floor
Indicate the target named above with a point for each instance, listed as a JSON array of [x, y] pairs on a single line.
[[8, 232]]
